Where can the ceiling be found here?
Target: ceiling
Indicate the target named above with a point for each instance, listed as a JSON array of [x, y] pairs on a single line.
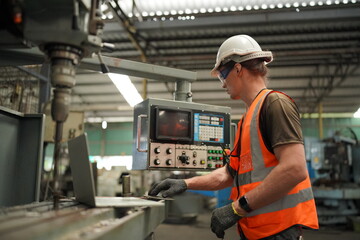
[[316, 54]]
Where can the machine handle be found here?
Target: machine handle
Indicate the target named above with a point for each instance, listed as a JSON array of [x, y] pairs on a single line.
[[234, 125], [138, 133]]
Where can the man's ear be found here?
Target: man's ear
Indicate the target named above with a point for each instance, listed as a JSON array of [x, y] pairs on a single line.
[[238, 67]]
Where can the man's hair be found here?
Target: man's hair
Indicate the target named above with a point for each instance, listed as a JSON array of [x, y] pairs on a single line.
[[256, 66]]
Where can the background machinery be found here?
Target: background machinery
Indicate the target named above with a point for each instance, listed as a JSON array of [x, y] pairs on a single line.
[[335, 163]]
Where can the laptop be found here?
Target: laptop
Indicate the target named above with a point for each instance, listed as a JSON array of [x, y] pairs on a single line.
[[83, 181]]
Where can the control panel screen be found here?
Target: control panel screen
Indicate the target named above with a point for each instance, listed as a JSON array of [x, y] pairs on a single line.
[[173, 124], [208, 128]]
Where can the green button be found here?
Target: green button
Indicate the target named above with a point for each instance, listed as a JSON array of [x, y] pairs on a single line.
[[210, 158], [210, 151], [209, 165]]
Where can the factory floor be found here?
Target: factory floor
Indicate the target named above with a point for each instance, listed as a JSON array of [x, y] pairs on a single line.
[[200, 229]]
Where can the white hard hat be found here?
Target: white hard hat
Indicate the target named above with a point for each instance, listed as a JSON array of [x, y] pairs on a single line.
[[240, 48]]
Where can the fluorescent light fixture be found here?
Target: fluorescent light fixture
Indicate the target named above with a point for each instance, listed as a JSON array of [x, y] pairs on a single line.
[[104, 7], [357, 114], [162, 8], [104, 124], [126, 88]]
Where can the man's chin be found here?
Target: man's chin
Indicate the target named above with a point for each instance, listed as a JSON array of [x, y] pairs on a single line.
[[235, 97]]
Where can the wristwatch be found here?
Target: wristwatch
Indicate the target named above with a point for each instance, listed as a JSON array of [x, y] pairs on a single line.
[[243, 202]]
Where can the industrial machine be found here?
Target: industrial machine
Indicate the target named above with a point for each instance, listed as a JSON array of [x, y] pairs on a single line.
[[178, 135], [66, 31], [336, 178]]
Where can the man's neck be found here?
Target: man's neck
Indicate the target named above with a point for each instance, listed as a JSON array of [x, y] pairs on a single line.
[[253, 90]]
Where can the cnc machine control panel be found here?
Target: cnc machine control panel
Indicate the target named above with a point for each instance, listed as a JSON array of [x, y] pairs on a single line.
[[173, 135]]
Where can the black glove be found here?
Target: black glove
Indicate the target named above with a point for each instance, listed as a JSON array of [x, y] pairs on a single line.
[[170, 187], [223, 218]]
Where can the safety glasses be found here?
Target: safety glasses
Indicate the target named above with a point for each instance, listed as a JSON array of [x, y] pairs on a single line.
[[223, 74]]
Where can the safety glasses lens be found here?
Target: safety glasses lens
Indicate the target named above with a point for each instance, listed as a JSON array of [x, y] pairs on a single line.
[[223, 74], [222, 80]]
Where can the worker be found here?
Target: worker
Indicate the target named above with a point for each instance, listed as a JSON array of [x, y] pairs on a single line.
[[271, 190]]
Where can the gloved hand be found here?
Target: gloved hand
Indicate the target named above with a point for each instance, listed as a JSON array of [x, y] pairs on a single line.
[[170, 187], [223, 218]]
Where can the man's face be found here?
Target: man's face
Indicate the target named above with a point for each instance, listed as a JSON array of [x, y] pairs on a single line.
[[231, 81]]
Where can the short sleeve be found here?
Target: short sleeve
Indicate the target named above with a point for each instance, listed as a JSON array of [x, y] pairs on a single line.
[[280, 121]]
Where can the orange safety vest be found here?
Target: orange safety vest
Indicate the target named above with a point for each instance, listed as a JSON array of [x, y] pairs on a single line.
[[254, 164]]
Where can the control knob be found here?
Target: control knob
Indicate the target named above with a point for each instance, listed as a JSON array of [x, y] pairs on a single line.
[[157, 150], [168, 162], [157, 161], [184, 159]]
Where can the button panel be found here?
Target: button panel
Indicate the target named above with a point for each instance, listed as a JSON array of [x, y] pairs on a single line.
[[164, 155]]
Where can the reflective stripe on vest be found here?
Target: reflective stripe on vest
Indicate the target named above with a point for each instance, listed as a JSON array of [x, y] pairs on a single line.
[[288, 201], [260, 171]]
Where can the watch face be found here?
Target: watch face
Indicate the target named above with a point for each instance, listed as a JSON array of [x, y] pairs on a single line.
[[244, 204]]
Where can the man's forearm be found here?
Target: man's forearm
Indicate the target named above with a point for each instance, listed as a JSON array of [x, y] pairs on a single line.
[[215, 180], [290, 171]]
